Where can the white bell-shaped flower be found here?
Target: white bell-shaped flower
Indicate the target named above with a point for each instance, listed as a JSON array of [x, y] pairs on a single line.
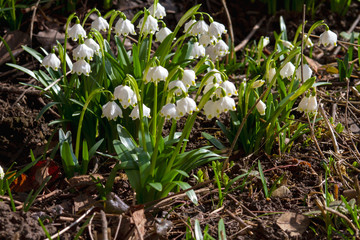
[[307, 72], [185, 106], [135, 113], [160, 12], [189, 26], [206, 39], [214, 78], [303, 104], [272, 73], [125, 95], [211, 109], [76, 31], [210, 85], [2, 174], [150, 26], [111, 110], [200, 27], [197, 51], [81, 67], [287, 44], [312, 105], [157, 74], [266, 41], [52, 61], [189, 78], [328, 38], [308, 43], [227, 104], [162, 34], [229, 88], [258, 83], [288, 70], [212, 52], [124, 27], [169, 111], [179, 85], [221, 48], [100, 24], [216, 29], [261, 107], [83, 52], [93, 45]]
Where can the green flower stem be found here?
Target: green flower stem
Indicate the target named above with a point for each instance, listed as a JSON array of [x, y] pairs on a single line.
[[63, 59], [156, 148], [88, 15], [10, 195], [113, 14], [155, 110], [77, 146]]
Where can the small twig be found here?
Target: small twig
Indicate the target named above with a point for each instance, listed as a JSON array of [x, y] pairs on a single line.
[[118, 227], [137, 227], [55, 82], [231, 30], [314, 138], [89, 226], [323, 114], [248, 37], [71, 225], [104, 225], [240, 221], [302, 45]]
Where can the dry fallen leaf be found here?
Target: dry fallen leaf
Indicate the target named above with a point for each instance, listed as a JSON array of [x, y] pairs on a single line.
[[139, 219], [281, 192], [293, 223]]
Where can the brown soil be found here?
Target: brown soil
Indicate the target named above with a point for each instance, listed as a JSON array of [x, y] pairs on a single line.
[[246, 212]]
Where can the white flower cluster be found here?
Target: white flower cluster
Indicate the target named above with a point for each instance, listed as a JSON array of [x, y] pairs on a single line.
[[308, 104], [127, 97], [209, 39]]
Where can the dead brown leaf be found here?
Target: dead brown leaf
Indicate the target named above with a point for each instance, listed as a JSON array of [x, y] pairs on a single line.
[[139, 219], [293, 223]]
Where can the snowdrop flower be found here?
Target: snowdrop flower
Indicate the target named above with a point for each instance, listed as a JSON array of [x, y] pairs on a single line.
[[229, 88], [258, 83], [221, 48], [81, 67], [189, 78], [157, 74], [212, 52], [287, 44], [150, 26], [288, 70], [83, 52], [272, 73], [124, 27], [111, 110], [186, 105], [52, 61], [227, 104], [179, 85], [261, 107], [2, 174], [312, 105], [160, 12], [200, 27], [93, 45], [216, 29], [76, 31], [308, 43], [100, 24], [125, 95], [189, 26], [162, 34], [303, 104], [206, 39], [197, 51], [210, 109], [266, 41], [214, 78], [306, 71], [170, 111], [135, 113], [328, 37]]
